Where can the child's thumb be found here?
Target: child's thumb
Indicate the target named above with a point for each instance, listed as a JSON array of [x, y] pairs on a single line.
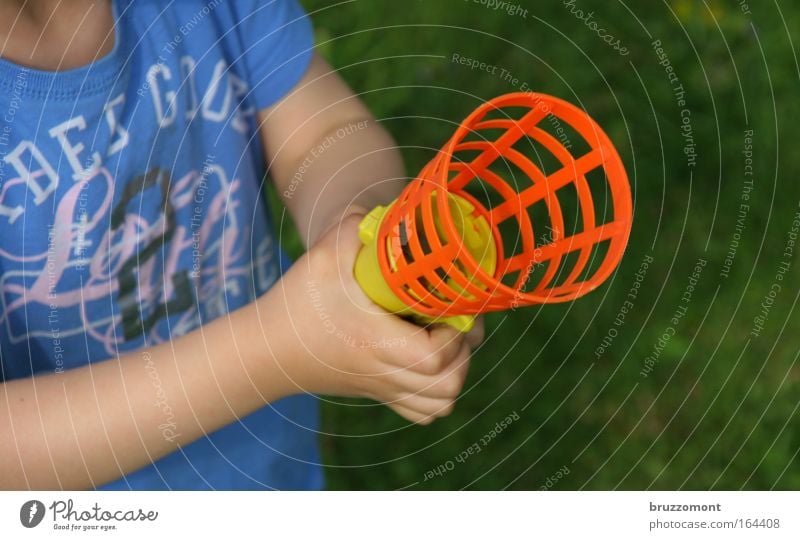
[[348, 243]]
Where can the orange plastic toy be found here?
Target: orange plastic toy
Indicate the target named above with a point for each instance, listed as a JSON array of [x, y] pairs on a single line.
[[485, 228]]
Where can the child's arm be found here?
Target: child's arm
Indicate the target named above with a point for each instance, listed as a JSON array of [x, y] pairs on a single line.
[[314, 331], [88, 425], [327, 154], [330, 159]]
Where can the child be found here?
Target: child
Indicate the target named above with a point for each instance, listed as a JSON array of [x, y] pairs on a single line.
[[148, 340]]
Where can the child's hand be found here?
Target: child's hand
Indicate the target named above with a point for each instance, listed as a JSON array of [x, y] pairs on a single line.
[[348, 346]]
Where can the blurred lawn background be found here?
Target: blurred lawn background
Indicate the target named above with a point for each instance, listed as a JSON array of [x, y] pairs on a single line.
[[720, 408]]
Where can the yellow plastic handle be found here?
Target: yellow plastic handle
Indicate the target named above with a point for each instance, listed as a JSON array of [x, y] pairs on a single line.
[[477, 239]]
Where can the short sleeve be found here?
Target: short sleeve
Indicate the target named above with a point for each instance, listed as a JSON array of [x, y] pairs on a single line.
[[277, 42]]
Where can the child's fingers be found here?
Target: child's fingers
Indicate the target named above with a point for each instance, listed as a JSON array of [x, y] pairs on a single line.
[[418, 353], [475, 336], [452, 380], [444, 385], [446, 340], [412, 415], [438, 408]]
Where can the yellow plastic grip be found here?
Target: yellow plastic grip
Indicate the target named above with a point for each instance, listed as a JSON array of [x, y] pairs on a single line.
[[477, 237]]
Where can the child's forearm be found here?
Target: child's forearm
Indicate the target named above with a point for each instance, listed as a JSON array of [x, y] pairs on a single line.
[[363, 170], [88, 426], [327, 154]]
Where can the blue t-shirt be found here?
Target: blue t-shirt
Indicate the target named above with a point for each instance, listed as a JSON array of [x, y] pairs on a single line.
[[132, 211]]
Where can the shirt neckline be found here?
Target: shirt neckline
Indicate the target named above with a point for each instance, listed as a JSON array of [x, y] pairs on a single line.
[[89, 79]]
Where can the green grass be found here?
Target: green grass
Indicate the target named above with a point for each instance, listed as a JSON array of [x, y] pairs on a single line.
[[719, 409]]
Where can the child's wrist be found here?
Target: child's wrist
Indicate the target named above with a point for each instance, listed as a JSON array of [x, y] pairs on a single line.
[[332, 223]]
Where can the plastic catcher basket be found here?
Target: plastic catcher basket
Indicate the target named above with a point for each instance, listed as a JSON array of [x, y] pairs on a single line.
[[484, 227]]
